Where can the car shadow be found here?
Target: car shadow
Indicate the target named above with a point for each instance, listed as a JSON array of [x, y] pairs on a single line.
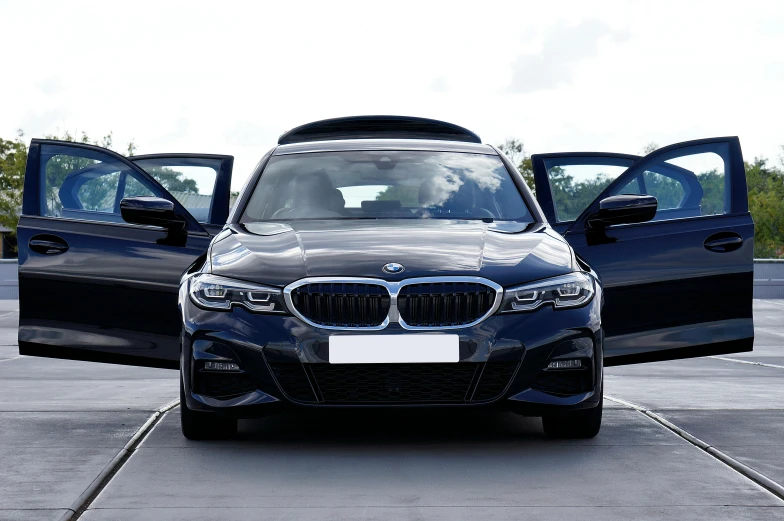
[[375, 427]]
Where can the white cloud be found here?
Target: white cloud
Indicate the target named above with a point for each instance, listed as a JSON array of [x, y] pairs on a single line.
[[563, 49], [230, 77]]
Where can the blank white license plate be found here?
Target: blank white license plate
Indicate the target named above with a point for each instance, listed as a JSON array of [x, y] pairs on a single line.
[[393, 349]]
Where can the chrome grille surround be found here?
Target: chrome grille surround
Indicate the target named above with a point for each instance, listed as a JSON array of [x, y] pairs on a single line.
[[394, 289]]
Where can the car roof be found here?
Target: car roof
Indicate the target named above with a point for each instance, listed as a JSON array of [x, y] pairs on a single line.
[[385, 144], [378, 127]]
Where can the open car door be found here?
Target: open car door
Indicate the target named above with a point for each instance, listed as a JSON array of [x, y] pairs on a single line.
[[92, 286], [679, 285]]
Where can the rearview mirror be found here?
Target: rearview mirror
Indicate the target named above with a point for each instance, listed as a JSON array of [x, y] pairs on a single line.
[[624, 209], [153, 211]]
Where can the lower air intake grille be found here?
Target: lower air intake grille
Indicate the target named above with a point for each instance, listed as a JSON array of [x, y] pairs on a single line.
[[394, 383], [292, 380], [223, 385], [444, 303], [564, 382], [495, 378], [342, 304]]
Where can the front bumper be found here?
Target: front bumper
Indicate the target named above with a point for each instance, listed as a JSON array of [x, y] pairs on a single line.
[[284, 361]]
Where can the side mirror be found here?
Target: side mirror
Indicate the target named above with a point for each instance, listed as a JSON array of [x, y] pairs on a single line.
[[153, 211], [624, 209]]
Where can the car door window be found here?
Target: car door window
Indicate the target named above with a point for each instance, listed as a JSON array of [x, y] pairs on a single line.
[[575, 183], [87, 184], [689, 185], [191, 181]]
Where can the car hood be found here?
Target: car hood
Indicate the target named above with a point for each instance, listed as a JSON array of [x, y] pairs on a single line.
[[280, 253]]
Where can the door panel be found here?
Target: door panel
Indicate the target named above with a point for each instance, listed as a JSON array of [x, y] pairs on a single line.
[[93, 287], [681, 284]]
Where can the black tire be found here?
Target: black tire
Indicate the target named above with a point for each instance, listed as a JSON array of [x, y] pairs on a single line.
[[197, 425], [584, 423]]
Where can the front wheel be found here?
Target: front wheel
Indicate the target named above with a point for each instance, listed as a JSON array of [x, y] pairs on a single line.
[[584, 423], [198, 425]]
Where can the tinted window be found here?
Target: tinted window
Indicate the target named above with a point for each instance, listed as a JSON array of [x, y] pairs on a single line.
[[85, 184], [385, 185], [190, 180], [575, 183], [688, 185]]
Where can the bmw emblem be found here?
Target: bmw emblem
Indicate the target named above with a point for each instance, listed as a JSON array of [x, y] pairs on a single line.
[[393, 268]]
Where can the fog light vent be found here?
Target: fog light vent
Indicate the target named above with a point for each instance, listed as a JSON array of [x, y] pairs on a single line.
[[221, 366], [565, 364]]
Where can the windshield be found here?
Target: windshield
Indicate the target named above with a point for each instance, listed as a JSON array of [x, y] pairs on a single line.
[[385, 185]]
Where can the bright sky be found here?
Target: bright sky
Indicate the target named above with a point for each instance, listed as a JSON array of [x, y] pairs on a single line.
[[229, 77]]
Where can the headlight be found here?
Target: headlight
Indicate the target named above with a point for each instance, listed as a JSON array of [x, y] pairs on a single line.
[[214, 292], [567, 291]]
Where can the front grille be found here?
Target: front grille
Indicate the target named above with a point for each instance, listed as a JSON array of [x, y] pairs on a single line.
[[564, 382], [340, 304], [223, 385], [442, 304], [495, 378], [394, 383]]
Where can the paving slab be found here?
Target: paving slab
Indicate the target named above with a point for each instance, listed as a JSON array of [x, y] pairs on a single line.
[[40, 478], [352, 465], [698, 383], [8, 352], [456, 513], [752, 437], [69, 430], [308, 469], [52, 514], [49, 459], [42, 384], [62, 422]]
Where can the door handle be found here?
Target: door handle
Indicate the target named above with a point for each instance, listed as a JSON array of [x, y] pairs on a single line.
[[48, 245], [723, 242]]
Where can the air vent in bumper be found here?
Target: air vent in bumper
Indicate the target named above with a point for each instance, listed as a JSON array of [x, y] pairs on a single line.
[[394, 383]]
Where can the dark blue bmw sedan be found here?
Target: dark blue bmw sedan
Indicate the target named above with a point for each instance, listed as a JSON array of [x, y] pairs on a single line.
[[388, 262]]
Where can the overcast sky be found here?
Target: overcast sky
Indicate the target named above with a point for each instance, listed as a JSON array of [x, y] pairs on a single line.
[[229, 77]]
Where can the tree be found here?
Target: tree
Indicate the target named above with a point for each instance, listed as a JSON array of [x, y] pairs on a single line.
[[172, 180], [649, 148], [13, 160], [766, 204], [514, 149]]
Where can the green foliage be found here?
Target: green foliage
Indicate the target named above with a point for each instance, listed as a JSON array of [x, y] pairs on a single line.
[[514, 149], [765, 187], [766, 203], [13, 159], [407, 195], [172, 180], [712, 183], [570, 197], [97, 194]]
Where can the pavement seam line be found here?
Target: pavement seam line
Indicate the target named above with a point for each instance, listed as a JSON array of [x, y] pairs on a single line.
[[727, 359], [14, 358], [764, 330], [741, 468], [100, 482]]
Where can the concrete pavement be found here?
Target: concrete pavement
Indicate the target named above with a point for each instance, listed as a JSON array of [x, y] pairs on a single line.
[[64, 421]]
